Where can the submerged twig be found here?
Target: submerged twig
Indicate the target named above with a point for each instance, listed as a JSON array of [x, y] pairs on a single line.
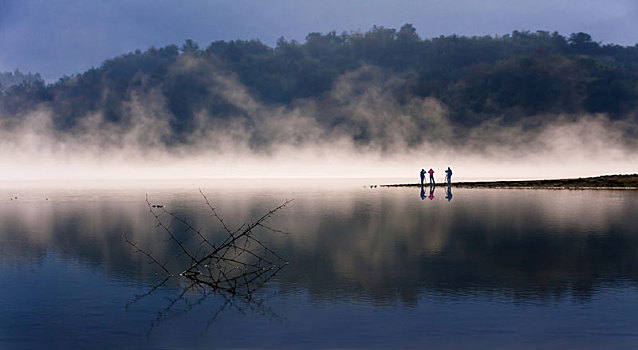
[[142, 296], [137, 249], [168, 231], [221, 221], [235, 267]]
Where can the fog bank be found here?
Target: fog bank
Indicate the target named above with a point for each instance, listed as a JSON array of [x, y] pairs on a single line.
[[385, 136]]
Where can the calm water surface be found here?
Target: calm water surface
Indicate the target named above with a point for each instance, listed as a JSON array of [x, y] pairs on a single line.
[[367, 267]]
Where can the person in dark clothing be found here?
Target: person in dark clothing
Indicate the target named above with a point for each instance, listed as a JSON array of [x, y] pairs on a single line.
[[448, 175]]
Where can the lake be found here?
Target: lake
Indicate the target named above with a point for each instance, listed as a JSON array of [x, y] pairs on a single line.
[[359, 267]]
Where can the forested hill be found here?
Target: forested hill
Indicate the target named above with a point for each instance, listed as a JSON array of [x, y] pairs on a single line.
[[511, 78], [9, 79]]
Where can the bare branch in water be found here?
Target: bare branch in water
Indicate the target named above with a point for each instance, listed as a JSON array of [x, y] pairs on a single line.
[[168, 231], [221, 221], [137, 249], [183, 221], [235, 267], [231, 241], [274, 230], [142, 296]]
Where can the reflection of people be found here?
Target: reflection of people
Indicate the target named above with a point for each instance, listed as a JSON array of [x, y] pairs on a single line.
[[422, 192], [431, 176], [448, 175], [448, 193], [431, 196], [422, 176]]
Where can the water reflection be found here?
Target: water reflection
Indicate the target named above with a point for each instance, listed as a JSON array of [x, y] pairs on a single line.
[[376, 246], [432, 189]]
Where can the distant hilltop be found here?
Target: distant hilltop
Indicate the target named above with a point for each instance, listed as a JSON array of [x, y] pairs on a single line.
[[380, 88], [9, 79]]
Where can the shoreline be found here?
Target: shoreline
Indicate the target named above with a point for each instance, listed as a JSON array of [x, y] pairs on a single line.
[[603, 182]]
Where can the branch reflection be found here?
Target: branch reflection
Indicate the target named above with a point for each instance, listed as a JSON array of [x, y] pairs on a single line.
[[233, 268]]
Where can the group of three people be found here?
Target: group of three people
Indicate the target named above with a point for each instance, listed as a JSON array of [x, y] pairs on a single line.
[[448, 176]]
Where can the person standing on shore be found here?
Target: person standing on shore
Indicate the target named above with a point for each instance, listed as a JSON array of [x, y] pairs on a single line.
[[422, 176], [448, 175], [431, 176]]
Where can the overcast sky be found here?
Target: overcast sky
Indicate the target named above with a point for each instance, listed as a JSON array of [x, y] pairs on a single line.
[[58, 37]]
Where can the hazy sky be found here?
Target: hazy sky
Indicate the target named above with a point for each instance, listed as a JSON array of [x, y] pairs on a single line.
[[57, 37]]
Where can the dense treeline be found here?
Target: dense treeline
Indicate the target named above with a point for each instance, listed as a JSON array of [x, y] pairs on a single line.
[[511, 77]]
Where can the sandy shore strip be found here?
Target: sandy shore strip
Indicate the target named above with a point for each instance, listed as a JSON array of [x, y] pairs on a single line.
[[616, 182]]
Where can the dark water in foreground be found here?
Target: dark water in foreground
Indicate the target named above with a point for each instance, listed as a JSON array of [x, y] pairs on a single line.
[[371, 268]]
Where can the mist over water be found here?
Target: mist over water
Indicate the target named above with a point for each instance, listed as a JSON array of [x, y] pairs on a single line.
[[386, 137]]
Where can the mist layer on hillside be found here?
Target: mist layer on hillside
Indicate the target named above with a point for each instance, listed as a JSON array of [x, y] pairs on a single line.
[[385, 139], [170, 114]]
